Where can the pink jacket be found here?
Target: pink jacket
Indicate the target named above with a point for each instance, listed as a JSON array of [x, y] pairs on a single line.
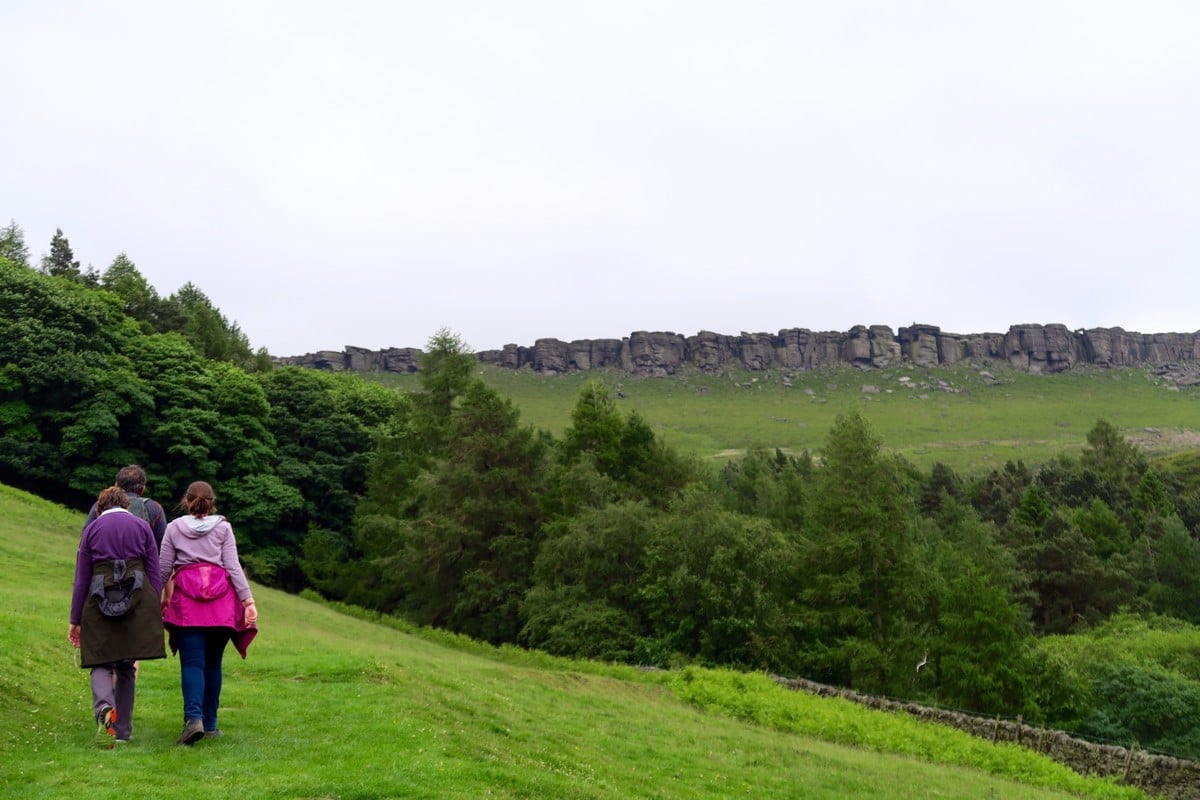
[[201, 595]]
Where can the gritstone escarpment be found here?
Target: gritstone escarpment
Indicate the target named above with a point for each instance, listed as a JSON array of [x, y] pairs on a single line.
[[1036, 348]]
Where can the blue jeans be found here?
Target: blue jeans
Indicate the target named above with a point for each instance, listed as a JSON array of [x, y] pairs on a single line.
[[200, 653]]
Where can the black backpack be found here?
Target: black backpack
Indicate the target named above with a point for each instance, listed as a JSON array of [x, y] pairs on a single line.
[[137, 507]]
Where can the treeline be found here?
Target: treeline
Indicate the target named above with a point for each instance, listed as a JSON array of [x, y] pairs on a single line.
[[99, 370], [847, 566]]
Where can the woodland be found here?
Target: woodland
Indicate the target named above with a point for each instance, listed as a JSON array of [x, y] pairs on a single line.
[[1065, 593]]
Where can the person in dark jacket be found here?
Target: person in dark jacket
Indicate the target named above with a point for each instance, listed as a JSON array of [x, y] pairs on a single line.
[[133, 480], [115, 610]]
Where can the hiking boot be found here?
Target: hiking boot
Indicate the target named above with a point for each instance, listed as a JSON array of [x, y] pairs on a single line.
[[215, 733], [193, 730], [106, 728]]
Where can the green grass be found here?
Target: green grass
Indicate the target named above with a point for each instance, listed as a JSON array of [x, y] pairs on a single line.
[[968, 424], [348, 706]]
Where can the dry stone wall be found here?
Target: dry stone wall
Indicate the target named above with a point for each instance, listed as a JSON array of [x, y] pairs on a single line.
[[1157, 775], [1036, 348]]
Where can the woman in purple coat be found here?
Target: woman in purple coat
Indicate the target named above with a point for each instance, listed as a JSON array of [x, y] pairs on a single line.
[[115, 617], [207, 603]]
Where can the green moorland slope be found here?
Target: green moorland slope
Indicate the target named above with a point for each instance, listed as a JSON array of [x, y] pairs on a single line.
[[333, 705], [948, 414]]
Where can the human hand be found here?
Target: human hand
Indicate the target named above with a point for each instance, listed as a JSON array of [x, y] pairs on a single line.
[[73, 635], [251, 612]]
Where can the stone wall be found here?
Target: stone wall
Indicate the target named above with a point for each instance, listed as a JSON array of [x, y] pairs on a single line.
[[1157, 775]]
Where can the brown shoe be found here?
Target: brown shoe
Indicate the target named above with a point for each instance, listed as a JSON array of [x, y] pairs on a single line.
[[192, 732]]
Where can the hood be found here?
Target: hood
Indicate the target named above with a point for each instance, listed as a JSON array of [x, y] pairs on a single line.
[[195, 527]]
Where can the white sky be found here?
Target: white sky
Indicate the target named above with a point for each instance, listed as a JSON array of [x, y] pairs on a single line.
[[365, 173]]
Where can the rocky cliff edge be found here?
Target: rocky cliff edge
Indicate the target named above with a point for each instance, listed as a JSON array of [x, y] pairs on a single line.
[[1036, 348]]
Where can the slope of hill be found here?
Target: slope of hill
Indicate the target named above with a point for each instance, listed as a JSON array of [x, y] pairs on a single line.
[[954, 415], [333, 706]]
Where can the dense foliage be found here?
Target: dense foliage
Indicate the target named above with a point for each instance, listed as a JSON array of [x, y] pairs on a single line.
[[848, 565]]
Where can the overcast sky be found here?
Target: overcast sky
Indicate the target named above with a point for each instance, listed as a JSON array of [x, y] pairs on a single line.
[[365, 173]]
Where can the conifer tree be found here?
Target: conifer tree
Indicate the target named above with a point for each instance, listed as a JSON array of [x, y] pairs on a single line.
[[863, 584], [12, 244], [60, 261]]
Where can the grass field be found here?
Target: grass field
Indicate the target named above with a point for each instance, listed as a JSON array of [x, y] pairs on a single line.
[[331, 706], [948, 414]]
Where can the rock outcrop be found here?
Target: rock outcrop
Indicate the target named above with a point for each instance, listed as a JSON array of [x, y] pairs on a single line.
[[1036, 348]]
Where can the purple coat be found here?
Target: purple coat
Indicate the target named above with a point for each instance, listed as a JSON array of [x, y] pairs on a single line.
[[113, 538], [114, 534]]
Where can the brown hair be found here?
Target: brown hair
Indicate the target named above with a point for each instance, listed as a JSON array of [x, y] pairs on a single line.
[[132, 479], [200, 500], [111, 497]]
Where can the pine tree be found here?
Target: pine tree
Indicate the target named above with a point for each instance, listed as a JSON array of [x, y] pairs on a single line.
[[61, 260], [12, 244]]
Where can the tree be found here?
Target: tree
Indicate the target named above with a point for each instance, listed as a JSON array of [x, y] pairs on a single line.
[[623, 449], [268, 541], [1145, 705], [325, 427], [716, 587], [467, 558], [982, 646], [1150, 497], [446, 373], [405, 447], [1072, 586], [65, 386], [1176, 588], [140, 298], [767, 485], [942, 484], [1034, 508], [12, 244], [1108, 534], [213, 336], [1112, 455], [862, 587], [585, 600], [995, 496], [60, 262]]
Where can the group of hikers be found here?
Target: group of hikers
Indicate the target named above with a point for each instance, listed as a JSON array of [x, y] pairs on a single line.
[[138, 576]]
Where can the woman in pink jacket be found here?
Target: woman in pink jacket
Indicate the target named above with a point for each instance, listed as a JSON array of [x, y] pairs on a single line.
[[207, 603]]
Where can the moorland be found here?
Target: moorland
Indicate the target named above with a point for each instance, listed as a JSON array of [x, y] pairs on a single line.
[[971, 421]]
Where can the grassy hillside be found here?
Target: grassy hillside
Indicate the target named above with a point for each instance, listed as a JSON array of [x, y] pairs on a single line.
[[948, 414], [334, 706]]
